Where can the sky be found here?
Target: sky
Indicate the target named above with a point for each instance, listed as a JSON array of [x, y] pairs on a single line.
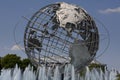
[[107, 12]]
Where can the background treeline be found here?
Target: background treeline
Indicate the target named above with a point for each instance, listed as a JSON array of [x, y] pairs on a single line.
[[10, 60]]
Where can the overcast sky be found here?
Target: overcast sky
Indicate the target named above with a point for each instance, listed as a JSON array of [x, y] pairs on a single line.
[[106, 11]]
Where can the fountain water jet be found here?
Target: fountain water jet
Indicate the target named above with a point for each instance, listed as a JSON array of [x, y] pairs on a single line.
[[47, 74]]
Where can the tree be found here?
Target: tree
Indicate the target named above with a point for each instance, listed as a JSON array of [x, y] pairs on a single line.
[[99, 66], [10, 60], [0, 65], [92, 66], [118, 77], [25, 63]]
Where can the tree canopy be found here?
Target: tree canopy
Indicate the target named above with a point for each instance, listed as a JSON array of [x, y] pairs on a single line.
[[10, 60]]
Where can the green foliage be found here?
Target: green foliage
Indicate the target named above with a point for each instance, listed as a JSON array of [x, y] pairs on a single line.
[[99, 66], [118, 77], [92, 66], [0, 64], [83, 72], [10, 60], [25, 63]]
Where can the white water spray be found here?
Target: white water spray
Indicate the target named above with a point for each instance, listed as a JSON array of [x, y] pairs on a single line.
[[44, 73]]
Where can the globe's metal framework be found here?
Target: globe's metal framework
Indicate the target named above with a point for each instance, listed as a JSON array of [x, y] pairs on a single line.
[[47, 42]]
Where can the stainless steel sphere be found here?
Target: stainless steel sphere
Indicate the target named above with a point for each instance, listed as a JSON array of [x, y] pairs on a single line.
[[61, 33]]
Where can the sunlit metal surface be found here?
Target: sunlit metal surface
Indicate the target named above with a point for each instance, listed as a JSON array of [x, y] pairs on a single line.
[[61, 33]]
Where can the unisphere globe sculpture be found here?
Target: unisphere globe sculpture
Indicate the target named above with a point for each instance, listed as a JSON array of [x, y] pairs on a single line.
[[61, 33]]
